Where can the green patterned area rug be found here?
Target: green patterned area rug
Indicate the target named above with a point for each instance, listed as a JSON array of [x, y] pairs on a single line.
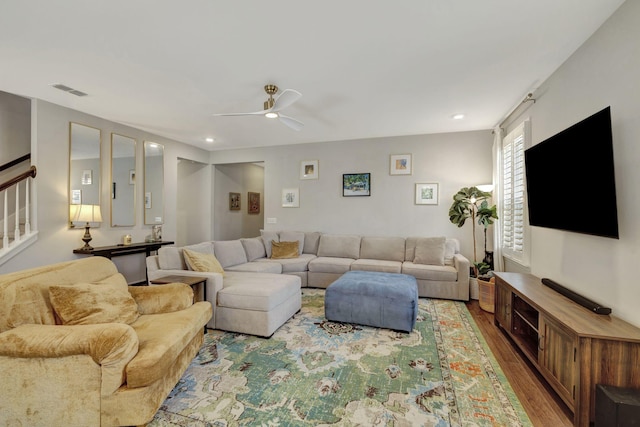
[[317, 373]]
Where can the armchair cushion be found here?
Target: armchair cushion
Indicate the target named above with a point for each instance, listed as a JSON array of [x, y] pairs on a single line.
[[88, 304], [162, 299]]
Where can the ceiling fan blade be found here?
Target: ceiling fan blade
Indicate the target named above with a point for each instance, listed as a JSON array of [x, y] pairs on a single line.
[[242, 114], [286, 98], [291, 122]]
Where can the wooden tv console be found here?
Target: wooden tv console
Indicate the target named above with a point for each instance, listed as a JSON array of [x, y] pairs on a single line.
[[572, 347]]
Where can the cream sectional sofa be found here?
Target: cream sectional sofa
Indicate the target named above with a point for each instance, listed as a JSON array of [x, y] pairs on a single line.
[[440, 270]]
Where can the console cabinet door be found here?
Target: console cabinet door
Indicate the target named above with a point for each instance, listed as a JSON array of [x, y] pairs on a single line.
[[503, 306], [557, 359]]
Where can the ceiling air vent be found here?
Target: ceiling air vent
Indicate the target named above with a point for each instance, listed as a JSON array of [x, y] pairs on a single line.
[[69, 89]]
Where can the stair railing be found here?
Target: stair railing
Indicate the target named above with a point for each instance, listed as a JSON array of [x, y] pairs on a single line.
[[4, 187]]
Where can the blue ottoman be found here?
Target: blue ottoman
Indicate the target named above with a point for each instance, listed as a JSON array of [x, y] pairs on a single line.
[[383, 300]]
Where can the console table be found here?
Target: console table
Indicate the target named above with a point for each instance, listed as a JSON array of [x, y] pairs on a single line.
[[121, 250], [572, 347]]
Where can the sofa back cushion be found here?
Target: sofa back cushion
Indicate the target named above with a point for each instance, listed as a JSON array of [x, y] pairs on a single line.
[[254, 248], [451, 247], [339, 246], [267, 238], [24, 295], [311, 242], [170, 258], [229, 252], [382, 248], [430, 251], [293, 236]]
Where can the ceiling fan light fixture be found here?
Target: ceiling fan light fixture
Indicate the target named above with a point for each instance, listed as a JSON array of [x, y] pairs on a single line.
[[271, 115]]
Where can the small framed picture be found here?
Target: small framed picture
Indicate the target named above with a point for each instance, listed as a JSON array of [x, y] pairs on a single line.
[[87, 177], [290, 198], [309, 169], [147, 200], [234, 201], [253, 203], [427, 193], [400, 164], [132, 176], [356, 184], [76, 197]]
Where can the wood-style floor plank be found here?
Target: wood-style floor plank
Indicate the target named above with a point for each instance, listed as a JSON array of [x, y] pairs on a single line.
[[542, 404]]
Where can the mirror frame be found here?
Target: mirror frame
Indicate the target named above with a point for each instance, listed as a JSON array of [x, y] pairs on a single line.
[[153, 208], [92, 177], [123, 184]]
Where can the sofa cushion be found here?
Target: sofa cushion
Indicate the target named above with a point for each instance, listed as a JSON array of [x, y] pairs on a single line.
[[257, 291], [382, 248], [330, 265], [441, 273], [197, 261], [430, 250], [339, 246], [88, 304], [254, 248], [311, 242], [285, 250], [229, 252], [291, 236], [383, 266], [267, 238], [170, 258], [257, 267], [292, 265]]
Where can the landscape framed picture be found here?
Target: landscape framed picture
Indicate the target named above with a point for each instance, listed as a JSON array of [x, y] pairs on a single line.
[[290, 198], [253, 203], [234, 201], [400, 164], [309, 169], [427, 193], [356, 184]]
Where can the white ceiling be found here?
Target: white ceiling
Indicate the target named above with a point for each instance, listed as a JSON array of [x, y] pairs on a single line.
[[366, 68]]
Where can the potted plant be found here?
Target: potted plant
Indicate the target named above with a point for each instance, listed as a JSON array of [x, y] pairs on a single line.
[[471, 203]]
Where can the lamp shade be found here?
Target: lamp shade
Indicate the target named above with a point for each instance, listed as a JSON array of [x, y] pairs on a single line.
[[88, 213]]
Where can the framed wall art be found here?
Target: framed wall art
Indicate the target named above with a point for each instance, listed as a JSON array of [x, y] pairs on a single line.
[[427, 193], [253, 203], [87, 177], [290, 198], [356, 184], [309, 169], [234, 201], [400, 164]]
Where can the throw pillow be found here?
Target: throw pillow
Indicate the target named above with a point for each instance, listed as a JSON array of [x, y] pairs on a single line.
[[284, 250], [88, 304], [202, 262], [430, 250]]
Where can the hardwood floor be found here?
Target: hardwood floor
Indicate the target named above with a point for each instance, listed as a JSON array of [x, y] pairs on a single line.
[[542, 404]]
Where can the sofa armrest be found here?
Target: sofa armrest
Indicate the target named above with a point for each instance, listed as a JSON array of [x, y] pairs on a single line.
[[162, 299], [110, 345], [461, 264]]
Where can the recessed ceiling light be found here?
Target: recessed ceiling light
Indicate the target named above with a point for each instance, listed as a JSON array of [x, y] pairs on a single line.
[[459, 116], [209, 139]]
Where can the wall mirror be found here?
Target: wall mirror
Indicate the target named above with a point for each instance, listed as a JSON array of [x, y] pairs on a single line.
[[84, 169], [153, 183], [123, 181]]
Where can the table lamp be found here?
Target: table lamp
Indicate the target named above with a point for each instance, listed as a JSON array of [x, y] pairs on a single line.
[[87, 214]]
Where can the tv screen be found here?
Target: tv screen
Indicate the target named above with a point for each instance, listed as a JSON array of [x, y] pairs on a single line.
[[570, 179]]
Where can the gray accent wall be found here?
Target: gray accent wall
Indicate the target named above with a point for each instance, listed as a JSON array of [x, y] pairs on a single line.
[[603, 71]]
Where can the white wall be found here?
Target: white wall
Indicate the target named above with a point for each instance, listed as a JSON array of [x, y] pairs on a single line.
[[193, 210], [453, 160], [50, 153], [604, 71]]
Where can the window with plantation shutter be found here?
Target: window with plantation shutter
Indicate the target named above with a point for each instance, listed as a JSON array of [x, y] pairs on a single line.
[[513, 188]]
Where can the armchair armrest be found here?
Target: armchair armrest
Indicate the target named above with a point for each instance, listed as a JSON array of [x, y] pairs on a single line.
[[162, 299], [110, 345]]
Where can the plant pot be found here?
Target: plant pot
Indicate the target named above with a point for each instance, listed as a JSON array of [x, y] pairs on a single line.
[[473, 288], [487, 294]]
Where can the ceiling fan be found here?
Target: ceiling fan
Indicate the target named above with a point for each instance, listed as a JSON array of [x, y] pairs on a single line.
[[273, 106]]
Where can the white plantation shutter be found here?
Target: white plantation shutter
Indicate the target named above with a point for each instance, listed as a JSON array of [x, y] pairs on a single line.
[[513, 175]]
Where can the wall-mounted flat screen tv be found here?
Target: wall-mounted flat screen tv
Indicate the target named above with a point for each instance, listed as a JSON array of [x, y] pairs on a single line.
[[570, 179]]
